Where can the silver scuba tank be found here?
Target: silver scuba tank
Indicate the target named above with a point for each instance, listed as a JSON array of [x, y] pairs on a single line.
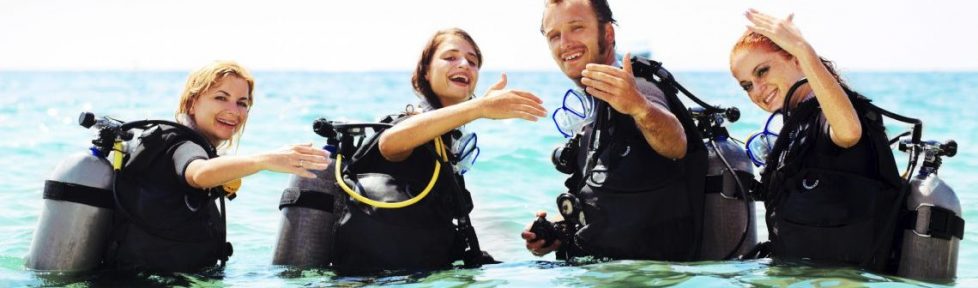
[[309, 210], [73, 230], [725, 215], [71, 236], [931, 237]]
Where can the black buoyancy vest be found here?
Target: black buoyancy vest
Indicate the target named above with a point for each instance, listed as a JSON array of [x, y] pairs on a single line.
[[829, 204], [637, 203], [421, 236], [163, 224]]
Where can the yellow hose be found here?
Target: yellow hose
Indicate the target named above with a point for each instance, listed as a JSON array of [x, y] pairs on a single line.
[[117, 155], [439, 148]]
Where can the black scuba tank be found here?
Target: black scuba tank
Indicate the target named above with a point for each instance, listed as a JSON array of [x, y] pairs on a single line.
[[76, 219], [309, 213], [310, 208]]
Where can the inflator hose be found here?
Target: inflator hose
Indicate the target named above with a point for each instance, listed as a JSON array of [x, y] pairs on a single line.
[[439, 148]]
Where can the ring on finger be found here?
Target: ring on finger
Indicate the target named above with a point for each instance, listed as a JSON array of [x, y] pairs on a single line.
[[302, 163]]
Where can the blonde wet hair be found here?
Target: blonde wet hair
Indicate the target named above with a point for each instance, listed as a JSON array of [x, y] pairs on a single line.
[[202, 79]]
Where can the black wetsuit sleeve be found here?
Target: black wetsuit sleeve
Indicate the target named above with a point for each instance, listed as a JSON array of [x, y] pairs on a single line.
[[183, 154]]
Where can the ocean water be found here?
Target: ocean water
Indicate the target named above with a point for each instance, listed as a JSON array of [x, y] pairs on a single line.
[[512, 179]]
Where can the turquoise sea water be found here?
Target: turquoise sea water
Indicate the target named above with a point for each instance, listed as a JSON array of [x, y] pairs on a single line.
[[512, 179]]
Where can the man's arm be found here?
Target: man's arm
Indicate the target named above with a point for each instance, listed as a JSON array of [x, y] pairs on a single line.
[[617, 87]]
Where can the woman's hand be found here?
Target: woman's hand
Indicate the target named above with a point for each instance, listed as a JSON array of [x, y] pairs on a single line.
[[844, 127], [296, 159], [782, 31], [506, 104]]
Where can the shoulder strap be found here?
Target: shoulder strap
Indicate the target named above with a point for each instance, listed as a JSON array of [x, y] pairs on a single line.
[[695, 162], [773, 163]]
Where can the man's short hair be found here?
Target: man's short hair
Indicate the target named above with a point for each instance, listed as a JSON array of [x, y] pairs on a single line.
[[600, 7]]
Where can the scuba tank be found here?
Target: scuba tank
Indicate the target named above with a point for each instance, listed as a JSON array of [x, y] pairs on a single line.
[[932, 228], [728, 228], [86, 220], [76, 219], [309, 213], [728, 220]]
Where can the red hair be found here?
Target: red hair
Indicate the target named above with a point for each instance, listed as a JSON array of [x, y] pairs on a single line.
[[753, 40]]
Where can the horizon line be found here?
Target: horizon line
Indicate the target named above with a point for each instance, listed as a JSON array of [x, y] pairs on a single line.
[[277, 70]]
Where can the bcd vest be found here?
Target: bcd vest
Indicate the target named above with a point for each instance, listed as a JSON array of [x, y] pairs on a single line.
[[162, 224], [420, 236], [637, 203], [829, 204]]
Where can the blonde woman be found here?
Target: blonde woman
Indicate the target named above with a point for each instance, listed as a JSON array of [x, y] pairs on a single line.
[[168, 219]]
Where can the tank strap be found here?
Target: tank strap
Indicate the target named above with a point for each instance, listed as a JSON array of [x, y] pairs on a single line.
[[295, 197], [226, 249], [939, 222], [101, 198], [714, 184]]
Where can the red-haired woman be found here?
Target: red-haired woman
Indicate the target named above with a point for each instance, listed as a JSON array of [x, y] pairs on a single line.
[[829, 182]]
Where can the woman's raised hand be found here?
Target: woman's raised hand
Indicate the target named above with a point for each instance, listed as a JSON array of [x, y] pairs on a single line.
[[296, 159], [782, 31], [501, 103]]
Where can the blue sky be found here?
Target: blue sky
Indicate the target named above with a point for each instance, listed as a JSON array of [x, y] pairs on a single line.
[[368, 35]]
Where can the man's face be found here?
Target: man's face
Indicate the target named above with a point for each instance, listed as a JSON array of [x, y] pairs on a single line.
[[575, 37]]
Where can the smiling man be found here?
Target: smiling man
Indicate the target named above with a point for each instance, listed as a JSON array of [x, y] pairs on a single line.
[[637, 165]]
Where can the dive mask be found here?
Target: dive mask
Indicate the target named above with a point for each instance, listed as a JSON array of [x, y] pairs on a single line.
[[760, 144], [576, 111], [466, 151]]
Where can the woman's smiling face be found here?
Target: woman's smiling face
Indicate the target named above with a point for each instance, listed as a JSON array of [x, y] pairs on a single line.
[[454, 71], [220, 111], [765, 75]]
